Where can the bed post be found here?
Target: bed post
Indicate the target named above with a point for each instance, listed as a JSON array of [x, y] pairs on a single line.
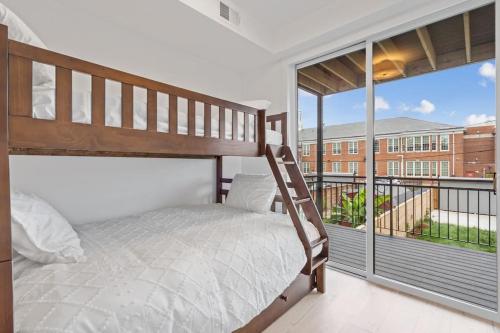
[[261, 120], [218, 179], [6, 307]]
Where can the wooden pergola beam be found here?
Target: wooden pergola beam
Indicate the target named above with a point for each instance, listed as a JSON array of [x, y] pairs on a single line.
[[391, 50], [358, 59], [425, 40], [316, 74], [468, 48], [340, 70], [452, 59], [310, 85]]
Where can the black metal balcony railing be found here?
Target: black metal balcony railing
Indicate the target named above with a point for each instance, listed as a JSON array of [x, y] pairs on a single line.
[[457, 212]]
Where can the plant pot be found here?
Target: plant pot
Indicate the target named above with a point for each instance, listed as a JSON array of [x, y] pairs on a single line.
[[345, 224]]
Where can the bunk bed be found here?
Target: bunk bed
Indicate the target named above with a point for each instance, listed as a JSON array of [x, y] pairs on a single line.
[[23, 133]]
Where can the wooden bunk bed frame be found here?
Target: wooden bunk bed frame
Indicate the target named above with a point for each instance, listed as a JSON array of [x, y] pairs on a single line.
[[21, 134]]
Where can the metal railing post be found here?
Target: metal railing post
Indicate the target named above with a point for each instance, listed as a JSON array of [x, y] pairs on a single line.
[[390, 206]]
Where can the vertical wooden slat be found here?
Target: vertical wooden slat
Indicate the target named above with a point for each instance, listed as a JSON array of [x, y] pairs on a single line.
[[218, 185], [222, 123], [284, 128], [127, 106], [6, 297], [98, 96], [273, 125], [235, 125], [261, 131], [172, 114], [152, 110], [247, 127], [63, 94], [207, 117], [191, 118], [20, 86], [255, 129]]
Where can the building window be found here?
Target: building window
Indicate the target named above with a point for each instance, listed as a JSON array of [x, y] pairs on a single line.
[[393, 168], [434, 142], [324, 148], [353, 147], [306, 149], [353, 168], [392, 145], [425, 169], [418, 143], [445, 170], [409, 168], [306, 167], [417, 169], [336, 148], [434, 167], [409, 143], [376, 146], [324, 166], [426, 143], [444, 142], [336, 167]]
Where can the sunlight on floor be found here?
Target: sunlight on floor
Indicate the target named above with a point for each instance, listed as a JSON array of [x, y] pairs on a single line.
[[353, 305]]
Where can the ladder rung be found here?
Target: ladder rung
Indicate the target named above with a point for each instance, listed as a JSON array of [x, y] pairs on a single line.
[[286, 162], [317, 261], [318, 242], [300, 201]]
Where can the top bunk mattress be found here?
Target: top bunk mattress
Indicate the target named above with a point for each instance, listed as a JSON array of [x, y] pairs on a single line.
[[208, 268], [44, 108]]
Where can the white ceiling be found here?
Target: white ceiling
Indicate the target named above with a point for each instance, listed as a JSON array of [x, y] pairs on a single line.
[[269, 30], [275, 13]]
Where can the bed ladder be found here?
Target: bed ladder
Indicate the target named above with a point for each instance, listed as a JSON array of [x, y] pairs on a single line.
[[282, 155]]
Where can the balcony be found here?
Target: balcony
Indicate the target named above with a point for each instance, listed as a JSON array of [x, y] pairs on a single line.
[[437, 234]]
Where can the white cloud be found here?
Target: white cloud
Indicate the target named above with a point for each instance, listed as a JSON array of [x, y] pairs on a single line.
[[381, 104], [474, 119], [488, 71], [425, 107]]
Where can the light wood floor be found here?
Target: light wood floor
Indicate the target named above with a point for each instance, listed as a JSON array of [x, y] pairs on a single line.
[[352, 305]]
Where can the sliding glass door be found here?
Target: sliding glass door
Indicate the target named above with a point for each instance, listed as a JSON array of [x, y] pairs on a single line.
[[434, 200], [397, 140], [333, 151]]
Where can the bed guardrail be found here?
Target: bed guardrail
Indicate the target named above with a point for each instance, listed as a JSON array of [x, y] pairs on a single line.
[[63, 136]]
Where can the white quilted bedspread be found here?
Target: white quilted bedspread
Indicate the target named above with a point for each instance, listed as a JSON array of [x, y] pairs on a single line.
[[195, 269]]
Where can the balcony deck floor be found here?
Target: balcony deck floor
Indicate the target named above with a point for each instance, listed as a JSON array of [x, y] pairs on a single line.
[[460, 273]]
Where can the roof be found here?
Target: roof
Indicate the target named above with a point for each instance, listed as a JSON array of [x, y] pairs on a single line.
[[398, 125]]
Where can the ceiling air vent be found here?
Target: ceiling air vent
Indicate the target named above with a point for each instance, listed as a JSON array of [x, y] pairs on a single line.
[[229, 14]]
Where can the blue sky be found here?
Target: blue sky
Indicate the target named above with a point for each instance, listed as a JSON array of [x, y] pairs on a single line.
[[458, 96]]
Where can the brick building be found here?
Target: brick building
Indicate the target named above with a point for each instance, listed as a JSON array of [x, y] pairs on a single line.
[[404, 147]]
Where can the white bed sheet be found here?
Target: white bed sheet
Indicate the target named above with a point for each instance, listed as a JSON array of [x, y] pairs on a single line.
[[44, 108], [206, 268]]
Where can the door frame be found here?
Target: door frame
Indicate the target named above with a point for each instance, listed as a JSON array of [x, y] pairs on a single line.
[[294, 64]]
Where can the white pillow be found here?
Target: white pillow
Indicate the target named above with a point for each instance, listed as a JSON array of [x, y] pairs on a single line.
[[252, 192], [40, 233], [19, 31]]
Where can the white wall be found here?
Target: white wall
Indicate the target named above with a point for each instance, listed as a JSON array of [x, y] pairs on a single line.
[[88, 189]]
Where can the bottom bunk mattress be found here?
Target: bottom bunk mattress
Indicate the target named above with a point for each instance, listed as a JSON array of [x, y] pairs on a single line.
[[208, 268]]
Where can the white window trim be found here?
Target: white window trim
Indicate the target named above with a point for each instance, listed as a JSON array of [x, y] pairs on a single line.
[[340, 147], [398, 144], [441, 144], [349, 147], [351, 165], [441, 168], [339, 169], [308, 149]]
